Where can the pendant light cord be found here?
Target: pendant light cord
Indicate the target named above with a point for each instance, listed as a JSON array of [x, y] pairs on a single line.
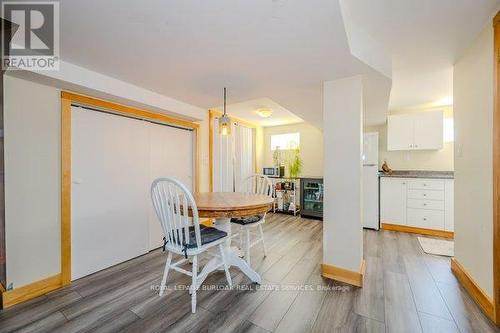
[[224, 101]]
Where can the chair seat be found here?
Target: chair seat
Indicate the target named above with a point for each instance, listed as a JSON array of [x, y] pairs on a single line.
[[207, 235], [247, 219]]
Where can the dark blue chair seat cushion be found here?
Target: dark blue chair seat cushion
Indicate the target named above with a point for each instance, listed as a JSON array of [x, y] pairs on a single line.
[[247, 219], [208, 235]]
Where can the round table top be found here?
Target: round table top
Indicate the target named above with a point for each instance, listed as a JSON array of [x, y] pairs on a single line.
[[231, 204]]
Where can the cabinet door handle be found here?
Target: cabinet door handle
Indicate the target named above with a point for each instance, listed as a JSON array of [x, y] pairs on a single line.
[[424, 195], [425, 219], [425, 204], [425, 184]]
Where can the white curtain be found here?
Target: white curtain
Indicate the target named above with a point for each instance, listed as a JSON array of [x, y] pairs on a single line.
[[223, 155], [243, 153], [233, 156]]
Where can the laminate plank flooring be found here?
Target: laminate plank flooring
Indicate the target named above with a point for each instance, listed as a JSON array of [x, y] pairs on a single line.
[[400, 310], [404, 290]]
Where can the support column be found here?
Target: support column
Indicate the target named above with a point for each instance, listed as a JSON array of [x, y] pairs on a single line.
[[343, 148]]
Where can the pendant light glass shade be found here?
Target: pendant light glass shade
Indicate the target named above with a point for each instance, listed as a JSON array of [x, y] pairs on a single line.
[[224, 120], [224, 125]]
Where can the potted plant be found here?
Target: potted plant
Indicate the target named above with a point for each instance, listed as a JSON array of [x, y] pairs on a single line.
[[294, 164]]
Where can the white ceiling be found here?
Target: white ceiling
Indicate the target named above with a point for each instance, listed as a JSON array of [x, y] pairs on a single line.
[[189, 50], [425, 38], [247, 111], [281, 49]]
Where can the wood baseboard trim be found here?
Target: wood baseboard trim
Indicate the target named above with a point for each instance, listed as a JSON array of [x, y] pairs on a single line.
[[32, 290], [477, 294], [344, 275], [420, 231]]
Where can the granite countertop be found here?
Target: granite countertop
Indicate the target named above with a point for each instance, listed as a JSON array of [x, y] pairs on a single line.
[[419, 174]]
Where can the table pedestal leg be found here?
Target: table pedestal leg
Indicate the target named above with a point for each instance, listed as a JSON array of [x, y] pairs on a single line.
[[231, 256]]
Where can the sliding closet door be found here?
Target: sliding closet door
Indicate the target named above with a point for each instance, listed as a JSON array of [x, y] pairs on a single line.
[[223, 160], [110, 186], [171, 155], [243, 153]]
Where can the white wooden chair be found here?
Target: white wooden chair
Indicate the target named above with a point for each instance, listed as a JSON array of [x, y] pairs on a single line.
[[258, 184], [185, 236]]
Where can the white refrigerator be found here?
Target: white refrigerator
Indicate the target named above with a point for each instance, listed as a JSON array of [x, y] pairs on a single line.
[[370, 181]]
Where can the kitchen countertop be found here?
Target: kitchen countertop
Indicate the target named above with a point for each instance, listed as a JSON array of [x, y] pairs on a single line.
[[419, 174], [300, 177]]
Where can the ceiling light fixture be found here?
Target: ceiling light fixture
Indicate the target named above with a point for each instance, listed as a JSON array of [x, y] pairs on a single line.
[[224, 120], [264, 112]]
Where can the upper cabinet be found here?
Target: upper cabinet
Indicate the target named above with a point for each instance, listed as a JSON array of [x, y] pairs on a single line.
[[415, 131], [399, 132]]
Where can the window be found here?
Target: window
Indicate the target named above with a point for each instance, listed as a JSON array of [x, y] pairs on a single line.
[[285, 141], [448, 130]]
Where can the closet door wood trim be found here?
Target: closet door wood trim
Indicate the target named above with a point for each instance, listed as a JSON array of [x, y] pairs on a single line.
[[67, 99], [496, 171]]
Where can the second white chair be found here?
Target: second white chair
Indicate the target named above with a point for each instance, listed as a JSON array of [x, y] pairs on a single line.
[[258, 184]]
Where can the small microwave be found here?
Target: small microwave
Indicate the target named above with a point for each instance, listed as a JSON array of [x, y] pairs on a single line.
[[274, 171]]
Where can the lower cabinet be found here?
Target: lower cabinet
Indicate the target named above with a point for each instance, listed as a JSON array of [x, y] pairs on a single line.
[[417, 202], [393, 197], [425, 218]]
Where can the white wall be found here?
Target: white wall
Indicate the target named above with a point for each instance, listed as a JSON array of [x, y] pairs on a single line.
[[259, 149], [311, 146], [434, 160], [473, 112], [88, 82], [32, 181], [32, 164], [343, 145]]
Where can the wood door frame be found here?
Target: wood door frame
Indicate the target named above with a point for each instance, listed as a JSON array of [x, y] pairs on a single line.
[[496, 171], [212, 114], [67, 100]]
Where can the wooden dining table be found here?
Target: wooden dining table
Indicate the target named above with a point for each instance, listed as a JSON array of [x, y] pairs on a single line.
[[222, 206]]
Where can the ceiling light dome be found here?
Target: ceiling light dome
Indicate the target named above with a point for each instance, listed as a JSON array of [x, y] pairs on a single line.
[[264, 112]]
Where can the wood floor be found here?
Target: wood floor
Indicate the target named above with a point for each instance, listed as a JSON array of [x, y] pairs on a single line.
[[405, 291]]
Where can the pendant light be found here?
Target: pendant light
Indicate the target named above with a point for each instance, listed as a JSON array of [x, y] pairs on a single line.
[[224, 120]]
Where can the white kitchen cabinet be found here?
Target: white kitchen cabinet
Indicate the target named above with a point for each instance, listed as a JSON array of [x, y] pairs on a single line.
[[426, 184], [428, 130], [426, 218], [425, 204], [393, 192], [399, 132], [417, 202], [415, 131], [426, 194]]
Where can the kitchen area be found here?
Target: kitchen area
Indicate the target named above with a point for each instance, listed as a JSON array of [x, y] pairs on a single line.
[[407, 169], [414, 188], [407, 174]]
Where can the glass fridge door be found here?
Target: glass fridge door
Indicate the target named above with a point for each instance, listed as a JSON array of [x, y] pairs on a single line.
[[313, 196]]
